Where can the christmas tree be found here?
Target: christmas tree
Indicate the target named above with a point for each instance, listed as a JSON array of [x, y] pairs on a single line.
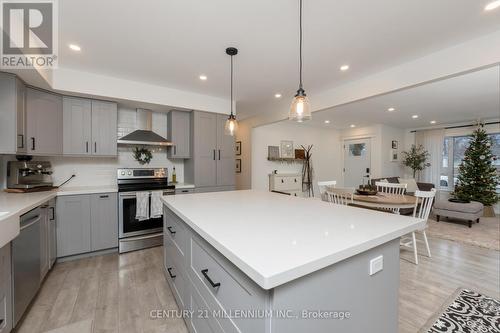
[[477, 176]]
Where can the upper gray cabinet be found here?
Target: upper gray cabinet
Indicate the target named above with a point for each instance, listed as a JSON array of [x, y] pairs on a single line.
[[212, 164], [179, 133], [77, 126], [44, 120], [89, 127], [12, 115], [104, 128]]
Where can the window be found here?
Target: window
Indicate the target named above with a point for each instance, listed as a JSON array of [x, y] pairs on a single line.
[[453, 154], [357, 149]]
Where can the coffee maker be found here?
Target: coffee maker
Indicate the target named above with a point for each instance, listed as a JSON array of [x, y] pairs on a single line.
[[27, 174]]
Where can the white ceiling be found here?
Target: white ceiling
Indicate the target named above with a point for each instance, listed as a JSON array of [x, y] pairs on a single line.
[[463, 98], [170, 43]]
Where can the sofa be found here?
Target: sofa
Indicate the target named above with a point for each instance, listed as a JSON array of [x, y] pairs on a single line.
[[421, 187]]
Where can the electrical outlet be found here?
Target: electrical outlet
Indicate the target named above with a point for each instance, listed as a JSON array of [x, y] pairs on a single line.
[[376, 265]]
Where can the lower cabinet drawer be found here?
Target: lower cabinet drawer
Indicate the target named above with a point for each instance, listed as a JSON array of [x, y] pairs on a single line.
[[225, 288], [178, 281], [175, 230]]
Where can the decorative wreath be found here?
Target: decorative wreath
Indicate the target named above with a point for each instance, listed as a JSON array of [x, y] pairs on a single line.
[[142, 155]]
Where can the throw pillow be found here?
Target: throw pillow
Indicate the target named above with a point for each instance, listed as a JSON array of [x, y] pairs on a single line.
[[411, 184]]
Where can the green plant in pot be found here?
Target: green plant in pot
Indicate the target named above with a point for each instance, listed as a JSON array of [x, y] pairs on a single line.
[[416, 159], [477, 175]]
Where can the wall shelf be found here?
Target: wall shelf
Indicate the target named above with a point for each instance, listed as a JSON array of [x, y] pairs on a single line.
[[286, 159]]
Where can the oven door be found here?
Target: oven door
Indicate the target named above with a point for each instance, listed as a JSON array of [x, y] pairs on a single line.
[[129, 225]]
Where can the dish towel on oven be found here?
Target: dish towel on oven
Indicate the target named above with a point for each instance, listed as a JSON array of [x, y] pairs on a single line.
[[142, 206], [156, 205]]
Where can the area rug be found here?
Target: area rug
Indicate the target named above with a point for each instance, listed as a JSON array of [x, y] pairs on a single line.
[[485, 234], [466, 312]]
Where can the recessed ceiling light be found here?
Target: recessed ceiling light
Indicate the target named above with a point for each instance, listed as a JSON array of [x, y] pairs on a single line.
[[327, 121], [203, 77], [74, 47], [277, 95], [432, 122], [391, 109], [492, 5], [415, 116], [344, 67], [352, 125]]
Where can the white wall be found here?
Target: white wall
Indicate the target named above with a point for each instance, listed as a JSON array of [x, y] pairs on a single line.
[[325, 153]]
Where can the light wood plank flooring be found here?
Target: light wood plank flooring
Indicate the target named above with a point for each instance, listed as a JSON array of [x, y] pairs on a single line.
[[117, 292]]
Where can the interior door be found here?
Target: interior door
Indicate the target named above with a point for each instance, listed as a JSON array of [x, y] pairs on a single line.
[[357, 162], [225, 154]]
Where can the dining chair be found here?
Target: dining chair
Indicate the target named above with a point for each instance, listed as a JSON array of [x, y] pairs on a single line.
[[393, 189], [422, 209], [323, 187], [340, 196]]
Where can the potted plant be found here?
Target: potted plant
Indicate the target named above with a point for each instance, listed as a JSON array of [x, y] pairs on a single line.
[[416, 159]]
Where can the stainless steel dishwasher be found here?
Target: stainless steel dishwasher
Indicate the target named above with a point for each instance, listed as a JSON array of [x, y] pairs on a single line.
[[26, 262]]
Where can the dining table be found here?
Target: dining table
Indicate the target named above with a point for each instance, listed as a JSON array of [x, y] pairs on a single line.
[[385, 201]]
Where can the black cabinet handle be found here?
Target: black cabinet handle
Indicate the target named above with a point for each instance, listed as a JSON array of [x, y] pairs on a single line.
[[32, 143], [175, 150], [212, 283], [169, 270], [295, 179], [104, 196], [219, 154], [87, 146], [53, 213], [185, 191], [282, 181], [214, 154], [95, 147], [171, 231]]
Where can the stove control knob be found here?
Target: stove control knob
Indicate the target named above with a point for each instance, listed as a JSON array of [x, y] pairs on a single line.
[[123, 173], [130, 173]]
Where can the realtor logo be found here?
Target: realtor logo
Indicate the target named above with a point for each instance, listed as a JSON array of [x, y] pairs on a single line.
[[29, 34]]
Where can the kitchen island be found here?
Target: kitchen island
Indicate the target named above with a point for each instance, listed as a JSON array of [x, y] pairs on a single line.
[[252, 261]]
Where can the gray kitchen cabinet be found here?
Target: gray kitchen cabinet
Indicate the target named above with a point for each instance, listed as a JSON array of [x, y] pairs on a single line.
[[86, 223], [104, 128], [211, 166], [73, 225], [5, 290], [225, 155], [179, 133], [77, 124], [104, 221], [44, 120], [12, 115], [44, 241]]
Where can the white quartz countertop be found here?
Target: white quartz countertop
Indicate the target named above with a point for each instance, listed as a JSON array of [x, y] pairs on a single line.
[[275, 238], [13, 205]]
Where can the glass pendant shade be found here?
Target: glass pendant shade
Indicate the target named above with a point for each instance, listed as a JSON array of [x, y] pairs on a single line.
[[231, 126], [300, 110]]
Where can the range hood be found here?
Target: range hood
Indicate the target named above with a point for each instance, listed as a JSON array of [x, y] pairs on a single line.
[[144, 134]]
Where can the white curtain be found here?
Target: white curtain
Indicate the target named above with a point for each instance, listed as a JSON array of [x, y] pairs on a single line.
[[432, 140]]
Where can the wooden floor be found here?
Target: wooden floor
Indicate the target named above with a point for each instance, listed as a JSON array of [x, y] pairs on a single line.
[[118, 292]]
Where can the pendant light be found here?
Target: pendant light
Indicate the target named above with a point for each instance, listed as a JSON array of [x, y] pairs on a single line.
[[300, 110], [231, 123]]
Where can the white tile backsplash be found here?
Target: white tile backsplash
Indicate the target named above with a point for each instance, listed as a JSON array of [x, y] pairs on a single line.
[[92, 171]]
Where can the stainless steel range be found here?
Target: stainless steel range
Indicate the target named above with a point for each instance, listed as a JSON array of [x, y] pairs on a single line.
[[135, 234]]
